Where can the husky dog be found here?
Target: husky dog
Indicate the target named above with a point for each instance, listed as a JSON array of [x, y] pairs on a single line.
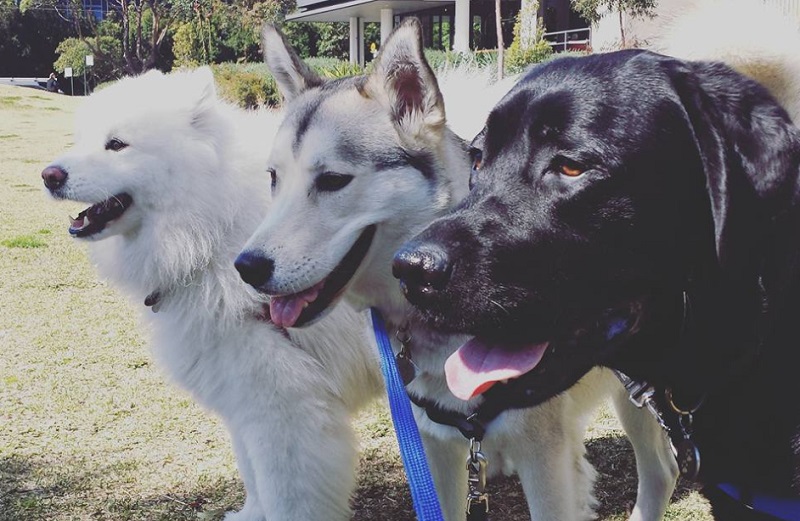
[[358, 165], [176, 183]]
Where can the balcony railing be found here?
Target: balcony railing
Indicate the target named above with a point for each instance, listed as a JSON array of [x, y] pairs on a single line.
[[570, 40]]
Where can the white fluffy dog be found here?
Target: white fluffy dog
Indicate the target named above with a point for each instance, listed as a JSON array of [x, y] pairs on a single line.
[[176, 182]]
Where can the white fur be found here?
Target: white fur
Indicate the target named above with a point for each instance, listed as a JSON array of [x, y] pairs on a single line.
[[195, 169], [753, 37], [308, 232]]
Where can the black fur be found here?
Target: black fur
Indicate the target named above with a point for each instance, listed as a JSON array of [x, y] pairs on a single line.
[[689, 186]]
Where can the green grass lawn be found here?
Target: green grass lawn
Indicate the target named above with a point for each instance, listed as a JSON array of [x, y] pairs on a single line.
[[90, 430]]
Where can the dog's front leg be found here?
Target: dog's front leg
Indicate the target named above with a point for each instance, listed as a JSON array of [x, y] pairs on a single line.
[[303, 462], [251, 511], [655, 464], [549, 457], [447, 457]]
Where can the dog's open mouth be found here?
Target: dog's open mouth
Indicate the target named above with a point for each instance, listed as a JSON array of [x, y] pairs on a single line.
[[95, 218], [481, 363], [299, 309]]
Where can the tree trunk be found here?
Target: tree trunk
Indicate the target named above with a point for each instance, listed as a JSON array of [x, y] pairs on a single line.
[[622, 29], [139, 12], [500, 56]]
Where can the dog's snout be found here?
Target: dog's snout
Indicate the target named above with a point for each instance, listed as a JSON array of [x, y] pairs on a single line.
[[254, 269], [422, 267], [54, 177]]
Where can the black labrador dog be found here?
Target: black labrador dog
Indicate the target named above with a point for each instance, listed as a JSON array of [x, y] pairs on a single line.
[[638, 212]]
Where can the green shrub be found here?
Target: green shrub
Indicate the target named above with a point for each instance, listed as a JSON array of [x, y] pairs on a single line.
[[250, 85], [440, 60], [333, 67], [519, 57], [247, 85]]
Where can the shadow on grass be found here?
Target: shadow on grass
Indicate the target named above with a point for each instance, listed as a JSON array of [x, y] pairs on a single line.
[[615, 488], [383, 493], [43, 490]]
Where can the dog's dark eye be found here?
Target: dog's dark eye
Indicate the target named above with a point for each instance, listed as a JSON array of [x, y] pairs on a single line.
[[273, 176], [115, 144], [477, 163], [477, 158], [332, 182]]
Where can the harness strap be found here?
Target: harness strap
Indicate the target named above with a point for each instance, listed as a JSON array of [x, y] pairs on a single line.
[[785, 509]]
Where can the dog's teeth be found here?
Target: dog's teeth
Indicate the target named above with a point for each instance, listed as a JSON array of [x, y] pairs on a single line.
[[305, 305], [504, 381], [86, 221]]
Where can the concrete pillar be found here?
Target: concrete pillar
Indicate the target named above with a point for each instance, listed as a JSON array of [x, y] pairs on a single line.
[[387, 23], [361, 46], [462, 26], [356, 41]]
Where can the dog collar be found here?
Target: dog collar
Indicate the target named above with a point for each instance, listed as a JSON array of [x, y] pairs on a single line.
[[785, 509], [471, 426]]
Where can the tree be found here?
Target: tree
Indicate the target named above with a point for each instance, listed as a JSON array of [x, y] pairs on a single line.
[[73, 51], [28, 39], [590, 10], [141, 27]]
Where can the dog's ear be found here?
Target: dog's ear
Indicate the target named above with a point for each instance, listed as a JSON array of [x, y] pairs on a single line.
[[403, 81], [292, 75], [203, 90], [750, 152]]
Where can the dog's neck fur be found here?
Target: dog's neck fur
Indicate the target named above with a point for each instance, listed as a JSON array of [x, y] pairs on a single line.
[[737, 355], [430, 348]]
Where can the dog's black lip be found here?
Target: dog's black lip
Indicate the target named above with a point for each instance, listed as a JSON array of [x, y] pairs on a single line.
[[337, 280], [102, 213]]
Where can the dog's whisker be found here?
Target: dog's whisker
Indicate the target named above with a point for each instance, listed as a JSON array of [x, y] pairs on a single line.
[[499, 306]]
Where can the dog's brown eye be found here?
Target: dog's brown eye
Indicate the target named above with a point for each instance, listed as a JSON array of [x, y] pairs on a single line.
[[571, 170], [273, 177], [115, 145]]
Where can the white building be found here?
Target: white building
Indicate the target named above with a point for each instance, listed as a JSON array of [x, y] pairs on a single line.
[[460, 25]]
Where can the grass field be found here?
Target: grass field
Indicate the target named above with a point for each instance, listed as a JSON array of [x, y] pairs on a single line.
[[89, 429]]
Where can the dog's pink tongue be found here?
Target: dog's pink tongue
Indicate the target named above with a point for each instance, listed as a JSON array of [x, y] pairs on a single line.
[[478, 365], [286, 309]]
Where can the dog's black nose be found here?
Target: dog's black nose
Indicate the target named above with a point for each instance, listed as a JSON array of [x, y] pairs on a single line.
[[254, 269], [422, 267], [54, 177]]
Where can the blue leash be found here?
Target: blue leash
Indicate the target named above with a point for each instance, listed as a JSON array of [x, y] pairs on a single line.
[[423, 493]]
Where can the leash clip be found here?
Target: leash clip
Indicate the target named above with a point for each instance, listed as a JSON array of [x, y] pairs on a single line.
[[477, 498], [405, 364], [686, 452]]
